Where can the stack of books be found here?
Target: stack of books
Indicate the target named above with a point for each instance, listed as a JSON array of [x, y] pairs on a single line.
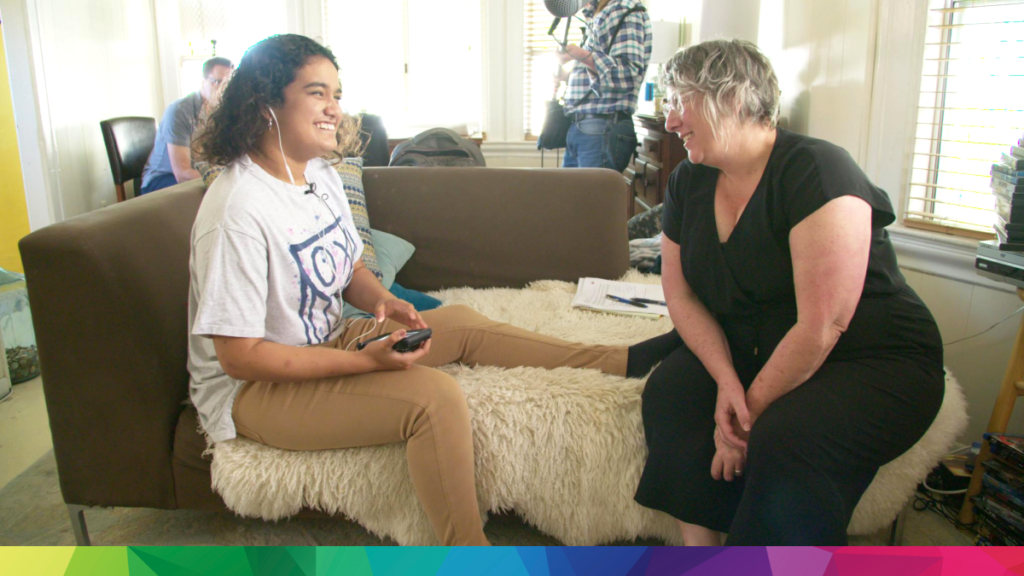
[[1008, 186], [1000, 505]]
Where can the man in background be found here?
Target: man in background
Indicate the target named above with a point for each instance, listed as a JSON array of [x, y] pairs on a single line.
[[604, 84], [170, 161]]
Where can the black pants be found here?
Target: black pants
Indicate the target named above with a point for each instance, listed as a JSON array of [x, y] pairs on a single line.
[[811, 455]]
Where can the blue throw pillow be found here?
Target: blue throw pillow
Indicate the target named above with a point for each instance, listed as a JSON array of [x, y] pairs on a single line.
[[419, 300], [392, 253]]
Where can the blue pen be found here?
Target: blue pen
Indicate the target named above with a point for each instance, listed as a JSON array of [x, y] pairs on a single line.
[[647, 301], [626, 301]]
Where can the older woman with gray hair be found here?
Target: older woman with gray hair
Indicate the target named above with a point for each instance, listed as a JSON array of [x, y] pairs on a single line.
[[805, 361]]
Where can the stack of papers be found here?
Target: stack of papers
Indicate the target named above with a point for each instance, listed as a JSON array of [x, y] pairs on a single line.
[[592, 294]]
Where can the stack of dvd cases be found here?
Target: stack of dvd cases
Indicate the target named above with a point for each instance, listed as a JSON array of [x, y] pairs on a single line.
[[1008, 186], [1000, 506]]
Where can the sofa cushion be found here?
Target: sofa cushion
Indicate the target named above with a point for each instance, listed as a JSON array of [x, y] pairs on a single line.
[[420, 301], [563, 448], [191, 466], [351, 172], [392, 254]]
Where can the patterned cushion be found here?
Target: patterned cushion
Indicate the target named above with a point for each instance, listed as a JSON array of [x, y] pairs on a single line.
[[209, 172], [647, 224], [351, 172]]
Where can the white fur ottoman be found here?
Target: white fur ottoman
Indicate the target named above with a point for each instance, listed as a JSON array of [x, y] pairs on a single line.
[[563, 448]]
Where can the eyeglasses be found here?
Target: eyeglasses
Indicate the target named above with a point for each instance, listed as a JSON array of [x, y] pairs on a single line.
[[668, 105]]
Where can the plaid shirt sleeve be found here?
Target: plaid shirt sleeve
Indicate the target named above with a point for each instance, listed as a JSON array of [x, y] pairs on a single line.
[[620, 70]]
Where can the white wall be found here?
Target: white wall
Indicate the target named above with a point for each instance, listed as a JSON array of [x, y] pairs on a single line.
[[76, 62], [963, 310], [730, 19], [823, 56], [96, 60]]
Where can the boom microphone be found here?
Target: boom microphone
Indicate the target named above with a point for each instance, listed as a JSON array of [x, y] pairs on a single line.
[[562, 8], [554, 25]]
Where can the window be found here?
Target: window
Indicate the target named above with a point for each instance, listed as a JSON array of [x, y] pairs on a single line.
[[540, 63], [208, 31], [970, 111], [415, 64]]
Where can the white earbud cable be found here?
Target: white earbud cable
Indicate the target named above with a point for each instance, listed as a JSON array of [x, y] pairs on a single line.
[[360, 337], [280, 144]]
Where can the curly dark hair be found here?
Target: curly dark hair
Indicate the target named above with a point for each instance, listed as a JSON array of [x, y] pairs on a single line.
[[235, 126]]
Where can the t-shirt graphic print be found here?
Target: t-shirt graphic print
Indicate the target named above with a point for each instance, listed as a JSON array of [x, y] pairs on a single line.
[[321, 264]]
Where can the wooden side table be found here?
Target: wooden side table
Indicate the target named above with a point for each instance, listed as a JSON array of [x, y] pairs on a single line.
[[658, 152], [1011, 389]]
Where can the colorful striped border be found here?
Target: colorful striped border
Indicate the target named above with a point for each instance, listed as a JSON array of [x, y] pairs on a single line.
[[517, 561]]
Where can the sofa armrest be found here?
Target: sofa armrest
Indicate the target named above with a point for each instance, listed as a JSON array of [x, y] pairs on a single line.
[[499, 227], [109, 296]]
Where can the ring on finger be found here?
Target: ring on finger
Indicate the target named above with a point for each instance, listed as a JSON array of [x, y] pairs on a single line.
[[738, 471]]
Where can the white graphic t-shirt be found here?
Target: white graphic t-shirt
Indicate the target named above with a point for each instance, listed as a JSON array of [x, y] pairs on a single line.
[[270, 261]]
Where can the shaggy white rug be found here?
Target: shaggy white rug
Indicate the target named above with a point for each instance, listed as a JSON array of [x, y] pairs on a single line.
[[563, 448]]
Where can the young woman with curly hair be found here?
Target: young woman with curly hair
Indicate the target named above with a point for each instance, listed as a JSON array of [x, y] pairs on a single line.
[[270, 356]]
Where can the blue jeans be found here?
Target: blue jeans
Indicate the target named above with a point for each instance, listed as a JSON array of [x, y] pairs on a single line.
[[158, 183], [598, 143]]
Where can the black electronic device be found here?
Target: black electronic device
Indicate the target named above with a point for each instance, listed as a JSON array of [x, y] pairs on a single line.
[[412, 341], [950, 474], [999, 264]]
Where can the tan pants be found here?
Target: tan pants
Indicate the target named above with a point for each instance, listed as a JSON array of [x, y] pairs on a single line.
[[422, 406]]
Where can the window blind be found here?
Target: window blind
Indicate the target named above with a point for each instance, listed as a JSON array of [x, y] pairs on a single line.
[[970, 111], [539, 62]]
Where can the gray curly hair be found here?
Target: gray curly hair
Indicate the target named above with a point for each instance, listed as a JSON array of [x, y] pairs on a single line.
[[728, 75]]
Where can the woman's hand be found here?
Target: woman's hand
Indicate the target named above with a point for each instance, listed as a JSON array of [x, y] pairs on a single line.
[[732, 402], [729, 461], [386, 358], [400, 311]]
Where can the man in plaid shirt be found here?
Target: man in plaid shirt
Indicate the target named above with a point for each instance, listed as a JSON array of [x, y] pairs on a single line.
[[604, 84]]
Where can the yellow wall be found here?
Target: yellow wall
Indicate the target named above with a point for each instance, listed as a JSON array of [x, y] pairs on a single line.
[[13, 210]]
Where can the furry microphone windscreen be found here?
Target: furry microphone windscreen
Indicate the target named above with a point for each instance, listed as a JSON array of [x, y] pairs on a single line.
[[562, 8]]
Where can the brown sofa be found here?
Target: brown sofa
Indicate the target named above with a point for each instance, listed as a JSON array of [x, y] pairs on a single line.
[[109, 293]]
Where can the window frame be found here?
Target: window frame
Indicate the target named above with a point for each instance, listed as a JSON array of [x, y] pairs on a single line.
[[932, 182]]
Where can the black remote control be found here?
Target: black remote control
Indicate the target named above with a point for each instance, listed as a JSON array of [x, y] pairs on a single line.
[[412, 341]]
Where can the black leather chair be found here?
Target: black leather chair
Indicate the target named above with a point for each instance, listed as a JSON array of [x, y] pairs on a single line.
[[375, 141], [129, 141]]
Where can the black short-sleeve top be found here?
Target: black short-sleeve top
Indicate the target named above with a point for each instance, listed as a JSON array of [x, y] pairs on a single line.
[[752, 272]]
